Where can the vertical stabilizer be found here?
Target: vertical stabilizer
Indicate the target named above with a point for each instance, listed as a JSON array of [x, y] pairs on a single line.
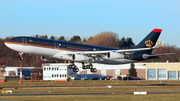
[[150, 40]]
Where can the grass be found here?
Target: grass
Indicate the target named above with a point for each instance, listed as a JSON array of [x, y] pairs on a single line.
[[150, 97], [107, 97], [93, 90], [15, 83]]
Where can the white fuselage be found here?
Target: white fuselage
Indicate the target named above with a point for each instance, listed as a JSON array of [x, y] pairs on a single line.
[[34, 49], [50, 52]]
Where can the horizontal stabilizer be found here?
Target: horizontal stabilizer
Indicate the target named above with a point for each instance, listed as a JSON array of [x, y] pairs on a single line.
[[146, 56]]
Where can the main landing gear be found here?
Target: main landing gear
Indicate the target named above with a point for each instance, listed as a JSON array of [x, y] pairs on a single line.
[[73, 66], [75, 69], [89, 67]]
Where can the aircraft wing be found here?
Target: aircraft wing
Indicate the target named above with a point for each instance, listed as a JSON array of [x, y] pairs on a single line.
[[123, 51]]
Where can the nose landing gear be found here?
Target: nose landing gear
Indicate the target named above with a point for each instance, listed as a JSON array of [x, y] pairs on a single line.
[[21, 53]]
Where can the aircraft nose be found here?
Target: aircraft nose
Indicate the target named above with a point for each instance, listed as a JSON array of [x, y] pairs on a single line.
[[6, 43]]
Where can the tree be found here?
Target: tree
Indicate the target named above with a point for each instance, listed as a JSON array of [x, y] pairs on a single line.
[[75, 38], [122, 43], [52, 37], [37, 36], [62, 38], [132, 70], [46, 37], [107, 39], [126, 43], [129, 43], [84, 40]]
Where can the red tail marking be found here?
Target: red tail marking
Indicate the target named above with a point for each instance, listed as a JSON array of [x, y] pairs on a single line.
[[157, 30]]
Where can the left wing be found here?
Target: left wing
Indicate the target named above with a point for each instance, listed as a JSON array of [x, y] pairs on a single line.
[[84, 56], [123, 51]]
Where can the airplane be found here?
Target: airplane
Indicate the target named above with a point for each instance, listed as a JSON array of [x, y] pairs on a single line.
[[55, 50]]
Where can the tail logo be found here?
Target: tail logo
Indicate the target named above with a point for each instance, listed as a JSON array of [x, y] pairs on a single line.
[[149, 43]]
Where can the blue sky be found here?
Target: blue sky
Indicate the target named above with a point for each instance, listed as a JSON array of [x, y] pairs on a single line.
[[127, 18]]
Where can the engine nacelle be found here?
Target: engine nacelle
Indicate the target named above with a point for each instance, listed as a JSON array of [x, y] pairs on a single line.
[[80, 57], [115, 55], [48, 58], [72, 57]]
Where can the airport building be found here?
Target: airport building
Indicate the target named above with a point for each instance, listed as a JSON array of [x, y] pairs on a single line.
[[116, 70], [60, 71], [147, 71], [56, 71], [162, 71]]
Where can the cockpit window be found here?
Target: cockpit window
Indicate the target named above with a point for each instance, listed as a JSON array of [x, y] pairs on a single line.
[[12, 39]]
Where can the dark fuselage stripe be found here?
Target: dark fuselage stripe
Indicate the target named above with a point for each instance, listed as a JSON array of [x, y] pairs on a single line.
[[44, 46]]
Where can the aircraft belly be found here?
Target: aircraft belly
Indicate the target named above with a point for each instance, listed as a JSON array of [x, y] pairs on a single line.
[[114, 61]]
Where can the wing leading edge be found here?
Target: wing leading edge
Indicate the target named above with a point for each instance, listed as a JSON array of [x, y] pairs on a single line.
[[124, 51]]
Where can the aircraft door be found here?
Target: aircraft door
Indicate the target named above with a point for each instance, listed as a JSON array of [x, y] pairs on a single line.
[[56, 46], [24, 41]]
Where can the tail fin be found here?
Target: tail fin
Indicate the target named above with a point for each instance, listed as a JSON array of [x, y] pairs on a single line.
[[150, 40]]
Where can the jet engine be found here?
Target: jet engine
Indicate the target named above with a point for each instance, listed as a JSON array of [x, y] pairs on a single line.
[[80, 57], [72, 57], [115, 55], [48, 58]]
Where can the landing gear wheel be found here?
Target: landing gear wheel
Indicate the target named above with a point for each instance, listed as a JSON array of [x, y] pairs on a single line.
[[90, 66], [87, 67], [21, 58], [84, 67], [76, 70], [93, 70], [71, 66]]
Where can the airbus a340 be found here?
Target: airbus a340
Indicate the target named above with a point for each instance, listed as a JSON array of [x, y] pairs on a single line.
[[54, 50]]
